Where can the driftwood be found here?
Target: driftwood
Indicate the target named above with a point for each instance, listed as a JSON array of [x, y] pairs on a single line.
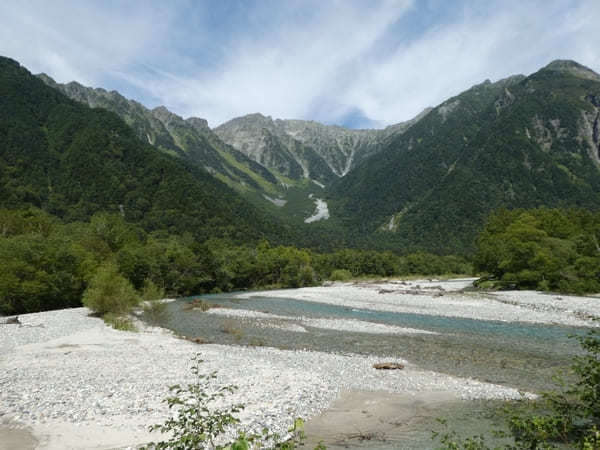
[[388, 366]]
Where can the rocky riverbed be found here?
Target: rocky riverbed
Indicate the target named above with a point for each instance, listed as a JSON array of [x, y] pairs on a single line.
[[72, 382]]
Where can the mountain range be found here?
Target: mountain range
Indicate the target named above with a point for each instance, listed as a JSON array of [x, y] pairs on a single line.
[[74, 161], [270, 162], [426, 184]]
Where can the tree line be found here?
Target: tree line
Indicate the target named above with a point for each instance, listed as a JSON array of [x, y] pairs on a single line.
[[544, 249], [49, 264]]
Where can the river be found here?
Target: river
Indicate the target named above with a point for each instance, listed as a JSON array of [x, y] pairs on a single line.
[[520, 354]]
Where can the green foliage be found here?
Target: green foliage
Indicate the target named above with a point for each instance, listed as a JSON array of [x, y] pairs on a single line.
[[154, 308], [42, 267], [151, 291], [545, 249], [568, 418], [340, 275], [515, 143], [156, 311], [119, 322], [73, 162], [110, 292], [198, 424], [49, 264]]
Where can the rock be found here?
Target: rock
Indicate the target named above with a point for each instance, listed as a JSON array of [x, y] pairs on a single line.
[[12, 321], [197, 340], [388, 366]]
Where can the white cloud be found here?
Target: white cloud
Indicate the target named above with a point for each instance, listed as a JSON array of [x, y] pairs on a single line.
[[317, 60], [285, 71], [448, 59], [79, 40]]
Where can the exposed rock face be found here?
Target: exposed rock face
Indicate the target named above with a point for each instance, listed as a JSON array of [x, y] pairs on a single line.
[[322, 152], [294, 148], [589, 131]]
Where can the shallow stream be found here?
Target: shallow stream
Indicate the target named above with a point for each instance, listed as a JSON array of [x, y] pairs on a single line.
[[520, 355]]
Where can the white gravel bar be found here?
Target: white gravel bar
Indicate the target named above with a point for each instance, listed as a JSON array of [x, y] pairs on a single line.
[[445, 299], [76, 383], [298, 324]]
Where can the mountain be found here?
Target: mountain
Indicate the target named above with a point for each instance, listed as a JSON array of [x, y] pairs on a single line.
[[285, 193], [190, 139], [305, 149], [73, 161], [519, 142]]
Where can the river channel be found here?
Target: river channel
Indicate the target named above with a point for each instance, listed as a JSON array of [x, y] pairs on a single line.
[[522, 355]]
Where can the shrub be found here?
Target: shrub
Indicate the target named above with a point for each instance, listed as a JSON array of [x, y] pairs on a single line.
[[156, 312], [340, 275], [110, 292], [569, 418], [121, 323], [151, 291], [198, 424]]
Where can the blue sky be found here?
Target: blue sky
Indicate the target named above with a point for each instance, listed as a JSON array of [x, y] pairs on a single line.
[[367, 63]]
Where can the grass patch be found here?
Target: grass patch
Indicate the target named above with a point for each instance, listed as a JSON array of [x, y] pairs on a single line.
[[200, 304], [118, 322]]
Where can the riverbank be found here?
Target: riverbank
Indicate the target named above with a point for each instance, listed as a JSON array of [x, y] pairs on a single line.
[[448, 298], [69, 381]]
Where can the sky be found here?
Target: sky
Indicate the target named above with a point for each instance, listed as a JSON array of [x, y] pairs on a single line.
[[355, 63]]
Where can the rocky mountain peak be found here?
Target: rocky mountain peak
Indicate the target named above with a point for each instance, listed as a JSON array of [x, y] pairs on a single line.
[[165, 116], [565, 66], [198, 124]]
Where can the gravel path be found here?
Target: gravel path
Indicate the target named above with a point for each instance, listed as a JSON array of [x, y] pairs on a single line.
[[67, 376]]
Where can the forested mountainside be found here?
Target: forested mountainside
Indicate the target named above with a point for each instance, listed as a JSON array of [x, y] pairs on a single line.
[[427, 184], [190, 139], [306, 149], [74, 161], [521, 142]]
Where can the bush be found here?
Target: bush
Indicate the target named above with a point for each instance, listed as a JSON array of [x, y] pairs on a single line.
[[568, 418], [120, 323], [156, 312], [340, 275], [151, 291], [110, 292], [198, 424]]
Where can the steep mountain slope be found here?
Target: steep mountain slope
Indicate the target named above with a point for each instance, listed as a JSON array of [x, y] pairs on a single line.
[[342, 148], [73, 161], [520, 142], [263, 140], [305, 149], [190, 139]]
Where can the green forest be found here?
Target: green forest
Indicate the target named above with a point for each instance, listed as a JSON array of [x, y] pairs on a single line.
[[49, 264], [545, 249]]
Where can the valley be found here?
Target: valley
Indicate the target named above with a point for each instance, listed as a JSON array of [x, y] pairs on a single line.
[[295, 256]]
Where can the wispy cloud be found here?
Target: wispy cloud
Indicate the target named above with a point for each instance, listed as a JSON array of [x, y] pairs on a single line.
[[336, 61]]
